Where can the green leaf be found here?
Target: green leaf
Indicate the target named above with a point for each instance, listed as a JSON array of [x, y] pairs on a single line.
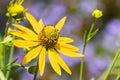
[[92, 27], [32, 69], [118, 77], [12, 62], [112, 70], [15, 66], [92, 34], [2, 77]]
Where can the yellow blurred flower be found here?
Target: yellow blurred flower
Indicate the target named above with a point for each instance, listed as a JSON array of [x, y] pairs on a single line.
[[97, 13], [16, 10], [45, 40]]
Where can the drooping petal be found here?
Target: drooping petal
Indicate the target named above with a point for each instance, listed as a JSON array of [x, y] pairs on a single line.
[[68, 52], [36, 26], [53, 61], [24, 44], [31, 55], [42, 60], [60, 24], [68, 46], [62, 63], [25, 29], [22, 35]]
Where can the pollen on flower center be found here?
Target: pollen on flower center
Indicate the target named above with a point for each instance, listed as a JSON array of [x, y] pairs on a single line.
[[48, 37]]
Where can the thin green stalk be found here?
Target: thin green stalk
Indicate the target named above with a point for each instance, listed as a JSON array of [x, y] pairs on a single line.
[[2, 77], [11, 50], [36, 72], [11, 54], [7, 26], [82, 61], [4, 47], [10, 59], [87, 37], [112, 64]]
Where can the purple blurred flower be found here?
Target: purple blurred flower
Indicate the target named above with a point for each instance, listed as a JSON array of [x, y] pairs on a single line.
[[111, 34]]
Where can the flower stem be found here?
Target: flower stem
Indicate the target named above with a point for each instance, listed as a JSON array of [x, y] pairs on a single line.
[[112, 64], [87, 37], [10, 58], [11, 53], [7, 26], [36, 72], [82, 61], [4, 47]]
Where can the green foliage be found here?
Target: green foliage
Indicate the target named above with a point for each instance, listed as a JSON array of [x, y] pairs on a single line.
[[113, 69], [12, 62], [91, 33], [32, 69], [2, 77]]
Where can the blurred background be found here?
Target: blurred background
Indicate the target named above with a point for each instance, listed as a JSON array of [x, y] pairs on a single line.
[[100, 50]]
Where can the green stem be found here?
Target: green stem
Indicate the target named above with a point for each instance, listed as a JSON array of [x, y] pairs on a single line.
[[36, 72], [87, 37], [112, 64], [10, 59], [11, 55], [4, 47], [82, 61], [7, 26]]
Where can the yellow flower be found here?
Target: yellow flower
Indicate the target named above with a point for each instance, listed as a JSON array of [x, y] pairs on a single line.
[[16, 10], [45, 40], [97, 13]]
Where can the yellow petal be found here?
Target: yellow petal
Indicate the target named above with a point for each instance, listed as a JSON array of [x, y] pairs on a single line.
[[68, 46], [62, 63], [21, 2], [68, 52], [25, 29], [36, 26], [65, 40], [42, 61], [24, 44], [41, 24], [60, 24], [53, 61], [31, 55], [22, 35]]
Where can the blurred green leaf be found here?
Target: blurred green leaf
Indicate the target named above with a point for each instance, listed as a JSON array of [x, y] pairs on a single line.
[[32, 69], [92, 34], [114, 68], [118, 77], [12, 62], [1, 53], [2, 77], [15, 66]]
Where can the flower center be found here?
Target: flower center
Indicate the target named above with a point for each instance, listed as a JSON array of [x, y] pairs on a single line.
[[48, 37]]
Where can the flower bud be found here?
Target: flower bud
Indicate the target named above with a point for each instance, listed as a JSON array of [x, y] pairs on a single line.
[[97, 13], [15, 11]]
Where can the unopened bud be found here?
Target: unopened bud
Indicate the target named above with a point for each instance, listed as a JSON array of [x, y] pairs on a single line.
[[97, 13]]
